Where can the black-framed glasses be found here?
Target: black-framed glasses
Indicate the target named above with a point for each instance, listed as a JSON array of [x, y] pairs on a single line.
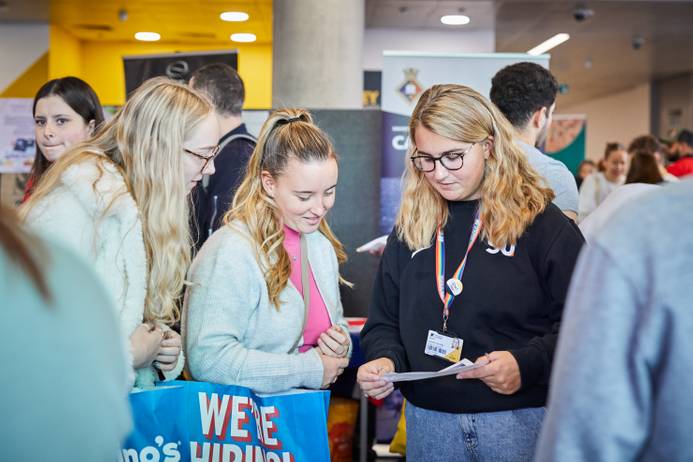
[[450, 160], [207, 159]]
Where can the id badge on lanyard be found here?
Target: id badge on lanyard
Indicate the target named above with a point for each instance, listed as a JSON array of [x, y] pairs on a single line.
[[445, 344]]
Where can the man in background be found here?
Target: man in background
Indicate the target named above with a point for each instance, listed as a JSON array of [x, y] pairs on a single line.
[[683, 151], [224, 88], [526, 94]]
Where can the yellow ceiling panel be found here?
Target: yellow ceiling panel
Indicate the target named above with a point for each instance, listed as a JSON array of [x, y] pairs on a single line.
[[175, 20]]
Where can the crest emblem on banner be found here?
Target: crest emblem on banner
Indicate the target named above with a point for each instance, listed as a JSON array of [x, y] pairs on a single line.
[[411, 88]]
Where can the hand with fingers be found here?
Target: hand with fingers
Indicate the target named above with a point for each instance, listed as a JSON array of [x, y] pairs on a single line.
[[334, 342], [332, 368], [501, 374], [145, 343], [169, 351], [370, 379], [377, 252]]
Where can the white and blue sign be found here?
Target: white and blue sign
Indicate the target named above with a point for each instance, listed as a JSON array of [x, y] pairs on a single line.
[[199, 421]]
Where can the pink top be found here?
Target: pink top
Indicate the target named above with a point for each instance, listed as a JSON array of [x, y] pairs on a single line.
[[318, 317]]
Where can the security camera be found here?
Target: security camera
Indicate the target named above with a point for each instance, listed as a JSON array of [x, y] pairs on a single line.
[[581, 13], [638, 42]]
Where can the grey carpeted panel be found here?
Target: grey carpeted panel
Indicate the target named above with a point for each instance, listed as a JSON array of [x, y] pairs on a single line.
[[357, 138]]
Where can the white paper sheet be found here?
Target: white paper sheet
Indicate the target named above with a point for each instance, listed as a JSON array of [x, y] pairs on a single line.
[[376, 244], [464, 365]]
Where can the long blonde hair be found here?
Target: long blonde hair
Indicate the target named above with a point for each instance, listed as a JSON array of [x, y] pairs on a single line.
[[28, 253], [286, 133], [512, 193], [144, 142]]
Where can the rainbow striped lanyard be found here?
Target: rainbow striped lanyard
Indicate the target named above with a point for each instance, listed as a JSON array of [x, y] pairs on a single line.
[[454, 283]]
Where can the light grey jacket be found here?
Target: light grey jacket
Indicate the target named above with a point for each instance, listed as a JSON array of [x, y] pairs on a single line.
[[234, 335], [556, 175], [621, 380]]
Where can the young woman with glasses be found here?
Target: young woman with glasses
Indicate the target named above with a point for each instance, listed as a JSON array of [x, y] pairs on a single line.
[[263, 309], [480, 259], [121, 201]]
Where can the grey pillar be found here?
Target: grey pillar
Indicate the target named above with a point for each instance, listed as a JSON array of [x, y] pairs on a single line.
[[317, 53]]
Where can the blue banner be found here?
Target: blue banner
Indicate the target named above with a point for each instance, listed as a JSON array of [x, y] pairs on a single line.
[[198, 421], [395, 145]]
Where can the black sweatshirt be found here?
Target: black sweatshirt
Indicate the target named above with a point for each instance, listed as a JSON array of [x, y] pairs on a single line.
[[509, 303], [211, 202]]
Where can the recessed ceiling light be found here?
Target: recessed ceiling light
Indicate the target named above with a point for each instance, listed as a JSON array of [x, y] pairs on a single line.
[[234, 16], [455, 19], [243, 37], [147, 36], [546, 45]]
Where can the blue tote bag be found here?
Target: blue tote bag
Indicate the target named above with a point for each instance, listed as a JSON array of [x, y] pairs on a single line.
[[199, 421]]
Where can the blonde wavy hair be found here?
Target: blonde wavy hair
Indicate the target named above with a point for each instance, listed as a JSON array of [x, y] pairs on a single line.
[[286, 133], [512, 193], [144, 142]]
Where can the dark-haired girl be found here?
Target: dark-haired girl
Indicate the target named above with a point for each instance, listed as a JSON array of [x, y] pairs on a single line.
[[66, 112]]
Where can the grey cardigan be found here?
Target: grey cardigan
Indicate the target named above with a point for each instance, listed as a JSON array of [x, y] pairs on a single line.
[[234, 335]]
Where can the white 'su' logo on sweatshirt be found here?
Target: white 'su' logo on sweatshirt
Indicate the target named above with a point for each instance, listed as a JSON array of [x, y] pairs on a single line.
[[508, 251]]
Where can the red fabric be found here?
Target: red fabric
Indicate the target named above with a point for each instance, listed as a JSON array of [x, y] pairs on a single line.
[[27, 189], [681, 167]]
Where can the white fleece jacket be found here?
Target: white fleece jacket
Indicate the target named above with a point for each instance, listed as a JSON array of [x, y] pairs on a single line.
[[95, 215]]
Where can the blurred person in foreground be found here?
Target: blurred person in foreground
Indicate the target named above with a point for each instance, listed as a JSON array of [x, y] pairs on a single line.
[[621, 380], [64, 380]]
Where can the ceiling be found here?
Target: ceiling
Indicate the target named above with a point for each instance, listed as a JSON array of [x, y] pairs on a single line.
[[187, 21], [599, 58], [425, 14]]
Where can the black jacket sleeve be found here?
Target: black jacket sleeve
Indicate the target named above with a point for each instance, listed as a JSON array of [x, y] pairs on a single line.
[[230, 168], [555, 270], [380, 336]]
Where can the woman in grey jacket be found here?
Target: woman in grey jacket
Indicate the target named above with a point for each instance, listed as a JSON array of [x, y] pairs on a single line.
[[263, 310]]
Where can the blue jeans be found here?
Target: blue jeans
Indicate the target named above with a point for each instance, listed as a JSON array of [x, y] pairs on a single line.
[[485, 436]]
